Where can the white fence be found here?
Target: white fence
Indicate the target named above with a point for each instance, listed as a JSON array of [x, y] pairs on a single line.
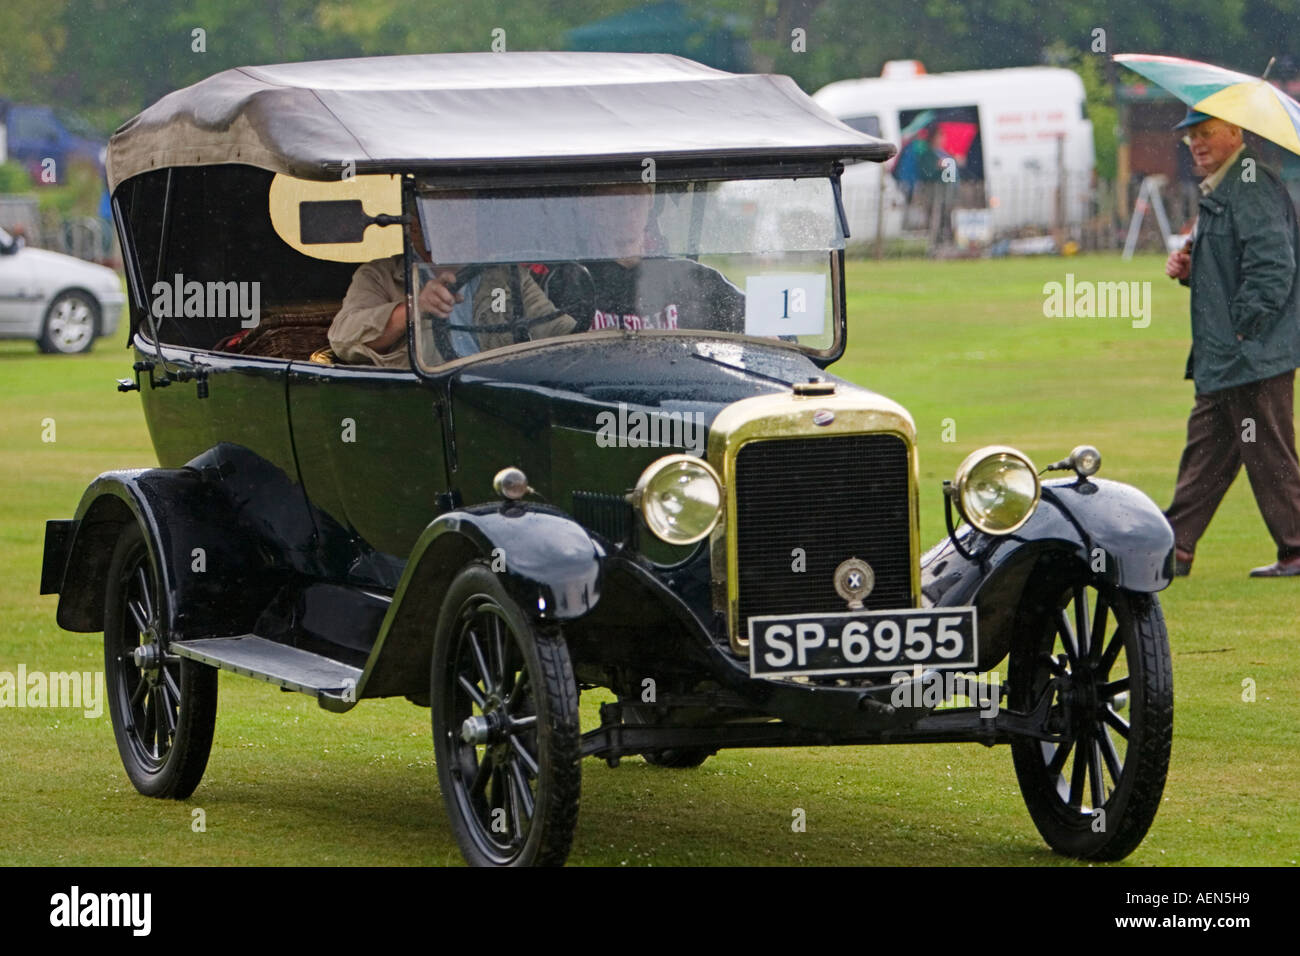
[[86, 237], [1077, 208]]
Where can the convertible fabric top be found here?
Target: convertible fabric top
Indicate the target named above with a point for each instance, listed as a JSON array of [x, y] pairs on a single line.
[[467, 110]]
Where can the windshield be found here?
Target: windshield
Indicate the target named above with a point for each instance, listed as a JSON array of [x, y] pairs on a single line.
[[745, 257]]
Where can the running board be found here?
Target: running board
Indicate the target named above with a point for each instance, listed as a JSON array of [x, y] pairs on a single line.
[[279, 664]]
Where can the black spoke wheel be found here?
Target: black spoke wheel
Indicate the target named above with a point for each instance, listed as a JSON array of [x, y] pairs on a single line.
[[1101, 658], [505, 727], [163, 708]]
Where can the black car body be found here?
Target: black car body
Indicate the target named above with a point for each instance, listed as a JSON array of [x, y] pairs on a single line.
[[496, 529]]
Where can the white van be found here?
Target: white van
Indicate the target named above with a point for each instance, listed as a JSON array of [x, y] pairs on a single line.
[[1019, 131]]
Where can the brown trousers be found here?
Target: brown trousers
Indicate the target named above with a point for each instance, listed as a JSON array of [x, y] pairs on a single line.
[[1219, 433]]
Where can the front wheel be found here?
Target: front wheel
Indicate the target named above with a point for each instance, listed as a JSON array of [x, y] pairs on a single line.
[[163, 708], [70, 324], [1101, 657], [505, 727]]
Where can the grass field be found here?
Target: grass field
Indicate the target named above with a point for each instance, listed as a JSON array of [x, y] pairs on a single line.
[[966, 341]]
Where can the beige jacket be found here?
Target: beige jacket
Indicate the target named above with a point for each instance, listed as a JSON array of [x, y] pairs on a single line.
[[378, 287]]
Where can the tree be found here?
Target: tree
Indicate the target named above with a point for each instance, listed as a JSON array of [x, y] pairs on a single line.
[[31, 39], [110, 58]]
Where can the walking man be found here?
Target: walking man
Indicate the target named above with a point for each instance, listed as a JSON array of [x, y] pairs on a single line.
[[1241, 268]]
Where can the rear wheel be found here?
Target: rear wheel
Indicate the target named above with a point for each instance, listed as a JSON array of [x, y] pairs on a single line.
[[1102, 658], [163, 708], [675, 758], [505, 727]]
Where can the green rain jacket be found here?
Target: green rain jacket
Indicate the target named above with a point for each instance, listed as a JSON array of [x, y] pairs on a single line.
[[1243, 280]]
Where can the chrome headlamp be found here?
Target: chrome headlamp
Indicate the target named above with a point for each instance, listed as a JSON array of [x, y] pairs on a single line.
[[996, 489], [1084, 461], [680, 498]]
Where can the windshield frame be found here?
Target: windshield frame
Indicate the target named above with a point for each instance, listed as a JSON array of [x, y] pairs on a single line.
[[617, 176]]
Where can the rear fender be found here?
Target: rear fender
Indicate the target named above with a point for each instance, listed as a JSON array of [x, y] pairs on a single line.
[[214, 578]]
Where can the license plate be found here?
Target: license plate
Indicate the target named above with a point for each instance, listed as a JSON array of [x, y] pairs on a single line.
[[861, 642]]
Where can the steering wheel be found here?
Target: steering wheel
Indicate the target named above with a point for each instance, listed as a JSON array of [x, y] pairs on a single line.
[[515, 324], [576, 285], [463, 276], [442, 327], [575, 293]]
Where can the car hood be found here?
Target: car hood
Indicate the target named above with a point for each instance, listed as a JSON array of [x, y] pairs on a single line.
[[670, 372], [57, 269]]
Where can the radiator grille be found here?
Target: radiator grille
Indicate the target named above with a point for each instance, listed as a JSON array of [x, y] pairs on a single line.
[[606, 514], [837, 497]]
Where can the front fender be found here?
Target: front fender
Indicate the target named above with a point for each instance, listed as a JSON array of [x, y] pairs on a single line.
[[1113, 532], [548, 563], [1135, 538]]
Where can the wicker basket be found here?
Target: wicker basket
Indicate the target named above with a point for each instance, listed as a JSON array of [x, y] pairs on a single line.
[[286, 331]]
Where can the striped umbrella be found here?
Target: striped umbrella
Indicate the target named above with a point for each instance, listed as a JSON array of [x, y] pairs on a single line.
[[1250, 102]]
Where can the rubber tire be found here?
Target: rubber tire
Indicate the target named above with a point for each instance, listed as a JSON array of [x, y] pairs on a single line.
[[677, 758], [1132, 806], [559, 755], [673, 758], [185, 763], [46, 343]]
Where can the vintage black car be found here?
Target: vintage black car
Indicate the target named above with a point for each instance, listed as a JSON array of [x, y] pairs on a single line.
[[618, 462]]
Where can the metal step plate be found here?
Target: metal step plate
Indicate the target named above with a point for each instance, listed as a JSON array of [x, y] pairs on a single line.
[[274, 663]]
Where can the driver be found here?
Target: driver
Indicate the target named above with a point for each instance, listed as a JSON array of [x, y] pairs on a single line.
[[635, 292], [370, 328]]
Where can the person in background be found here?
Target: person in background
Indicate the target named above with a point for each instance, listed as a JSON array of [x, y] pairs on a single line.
[[1245, 304]]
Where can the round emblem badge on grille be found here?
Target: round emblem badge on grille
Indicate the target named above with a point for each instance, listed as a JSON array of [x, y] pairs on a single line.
[[854, 580], [823, 416]]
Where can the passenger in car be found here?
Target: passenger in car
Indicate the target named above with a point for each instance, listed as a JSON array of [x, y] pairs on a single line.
[[636, 287]]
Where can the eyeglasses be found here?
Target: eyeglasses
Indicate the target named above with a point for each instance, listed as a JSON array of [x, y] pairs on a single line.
[[1202, 135]]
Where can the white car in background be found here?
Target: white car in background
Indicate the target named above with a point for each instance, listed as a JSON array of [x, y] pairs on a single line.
[[62, 302]]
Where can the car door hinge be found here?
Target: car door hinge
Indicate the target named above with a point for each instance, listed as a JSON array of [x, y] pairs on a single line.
[[199, 376], [133, 385]]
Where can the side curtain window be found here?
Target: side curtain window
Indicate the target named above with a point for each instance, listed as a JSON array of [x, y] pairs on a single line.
[[209, 239]]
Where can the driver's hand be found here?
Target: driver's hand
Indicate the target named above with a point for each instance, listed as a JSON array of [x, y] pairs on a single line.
[[435, 297]]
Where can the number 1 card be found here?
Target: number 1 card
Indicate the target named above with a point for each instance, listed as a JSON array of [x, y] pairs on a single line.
[[789, 304]]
